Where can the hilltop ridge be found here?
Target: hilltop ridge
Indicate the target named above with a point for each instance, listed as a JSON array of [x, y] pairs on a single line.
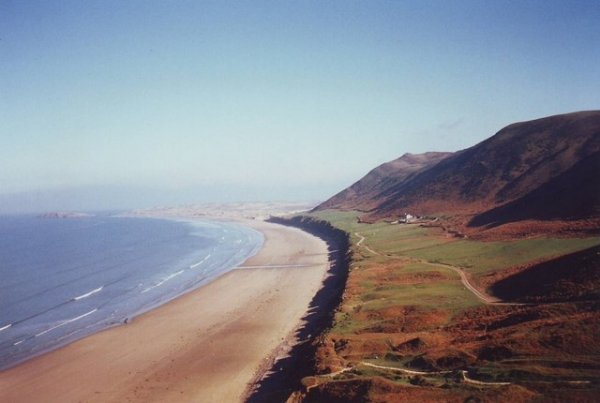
[[364, 194], [539, 170]]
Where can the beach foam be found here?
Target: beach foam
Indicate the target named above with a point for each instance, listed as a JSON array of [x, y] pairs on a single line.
[[116, 270]]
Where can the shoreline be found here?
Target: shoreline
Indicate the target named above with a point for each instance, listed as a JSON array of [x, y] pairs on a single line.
[[209, 343], [282, 377], [105, 323]]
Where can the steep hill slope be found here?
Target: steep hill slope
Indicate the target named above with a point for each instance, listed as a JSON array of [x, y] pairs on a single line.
[[364, 194], [575, 276], [572, 195], [544, 169]]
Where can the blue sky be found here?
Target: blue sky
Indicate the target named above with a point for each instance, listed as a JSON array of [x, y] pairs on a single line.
[[285, 100]]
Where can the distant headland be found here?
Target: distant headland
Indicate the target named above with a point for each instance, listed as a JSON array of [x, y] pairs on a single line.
[[64, 214]]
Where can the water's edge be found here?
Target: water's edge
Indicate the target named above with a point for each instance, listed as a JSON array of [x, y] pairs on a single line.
[[283, 380], [227, 266]]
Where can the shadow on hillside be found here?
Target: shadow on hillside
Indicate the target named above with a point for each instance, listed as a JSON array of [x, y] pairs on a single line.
[[572, 195], [568, 278]]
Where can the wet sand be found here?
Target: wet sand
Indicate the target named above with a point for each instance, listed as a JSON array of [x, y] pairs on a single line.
[[204, 346]]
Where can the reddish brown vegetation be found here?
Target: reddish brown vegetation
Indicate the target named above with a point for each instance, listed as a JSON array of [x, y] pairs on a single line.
[[364, 194], [380, 390], [533, 346], [536, 171], [531, 178]]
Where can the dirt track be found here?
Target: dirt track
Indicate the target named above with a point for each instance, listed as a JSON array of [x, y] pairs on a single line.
[[486, 299]]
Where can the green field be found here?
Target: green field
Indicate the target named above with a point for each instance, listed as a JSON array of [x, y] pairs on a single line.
[[484, 257], [437, 295], [400, 272], [476, 257], [399, 289]]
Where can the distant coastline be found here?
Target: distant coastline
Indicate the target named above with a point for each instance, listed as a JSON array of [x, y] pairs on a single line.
[[64, 214]]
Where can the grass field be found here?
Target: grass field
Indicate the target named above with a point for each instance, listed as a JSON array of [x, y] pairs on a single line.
[[476, 257], [397, 293], [483, 257]]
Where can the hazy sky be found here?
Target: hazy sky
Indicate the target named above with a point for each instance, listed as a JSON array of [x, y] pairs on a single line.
[[280, 95]]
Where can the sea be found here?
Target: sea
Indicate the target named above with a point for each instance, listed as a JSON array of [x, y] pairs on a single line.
[[62, 279]]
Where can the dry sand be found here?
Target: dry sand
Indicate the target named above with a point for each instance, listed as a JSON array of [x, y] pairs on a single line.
[[205, 346]]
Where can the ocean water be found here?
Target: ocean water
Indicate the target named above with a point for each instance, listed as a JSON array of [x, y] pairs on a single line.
[[63, 279]]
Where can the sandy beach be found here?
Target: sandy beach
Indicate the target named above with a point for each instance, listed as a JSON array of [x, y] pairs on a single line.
[[205, 346]]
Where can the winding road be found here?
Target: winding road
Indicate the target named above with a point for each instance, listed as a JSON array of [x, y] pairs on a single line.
[[465, 378], [361, 240], [486, 299]]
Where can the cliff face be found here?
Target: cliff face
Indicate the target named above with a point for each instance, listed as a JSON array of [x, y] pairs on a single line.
[[544, 169]]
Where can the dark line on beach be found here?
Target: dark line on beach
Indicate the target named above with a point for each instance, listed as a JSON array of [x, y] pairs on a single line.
[[284, 377]]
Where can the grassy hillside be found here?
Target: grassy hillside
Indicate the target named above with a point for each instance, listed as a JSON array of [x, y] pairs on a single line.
[[365, 193], [406, 308], [529, 178]]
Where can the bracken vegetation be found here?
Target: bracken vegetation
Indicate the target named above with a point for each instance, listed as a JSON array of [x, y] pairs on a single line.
[[408, 329]]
